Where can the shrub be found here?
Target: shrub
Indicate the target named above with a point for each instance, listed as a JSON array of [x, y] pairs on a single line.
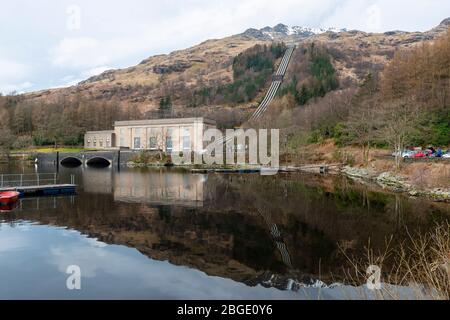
[[23, 142]]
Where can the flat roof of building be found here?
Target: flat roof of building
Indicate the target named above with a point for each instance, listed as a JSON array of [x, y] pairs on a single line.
[[103, 131], [163, 122]]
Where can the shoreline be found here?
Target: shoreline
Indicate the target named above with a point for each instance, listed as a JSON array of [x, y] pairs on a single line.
[[381, 177], [394, 183], [384, 180]]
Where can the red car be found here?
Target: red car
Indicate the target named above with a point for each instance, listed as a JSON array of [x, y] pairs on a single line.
[[420, 155]]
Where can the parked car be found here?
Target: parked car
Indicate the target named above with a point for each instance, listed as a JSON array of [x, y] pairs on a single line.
[[439, 153], [429, 154], [408, 154], [405, 154], [420, 155]]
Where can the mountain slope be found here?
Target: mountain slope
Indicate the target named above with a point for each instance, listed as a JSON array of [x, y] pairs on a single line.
[[210, 64]]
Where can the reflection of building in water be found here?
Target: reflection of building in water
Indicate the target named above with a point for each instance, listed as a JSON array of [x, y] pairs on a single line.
[[166, 188], [98, 180]]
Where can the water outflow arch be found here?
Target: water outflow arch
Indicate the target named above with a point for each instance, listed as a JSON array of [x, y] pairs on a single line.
[[105, 158], [71, 162], [98, 162]]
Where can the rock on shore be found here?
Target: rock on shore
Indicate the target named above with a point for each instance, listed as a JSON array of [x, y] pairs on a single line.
[[389, 181]]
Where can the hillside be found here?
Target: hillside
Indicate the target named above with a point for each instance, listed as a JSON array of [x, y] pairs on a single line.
[[223, 79], [210, 63], [158, 76]]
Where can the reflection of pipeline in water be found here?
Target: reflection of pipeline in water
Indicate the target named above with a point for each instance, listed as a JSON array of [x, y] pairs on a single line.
[[275, 232], [278, 239]]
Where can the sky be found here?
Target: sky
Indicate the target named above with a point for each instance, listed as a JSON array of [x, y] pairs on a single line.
[[49, 44]]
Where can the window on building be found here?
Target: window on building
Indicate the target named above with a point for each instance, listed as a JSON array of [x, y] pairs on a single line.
[[137, 143], [122, 137], [169, 139], [169, 144], [186, 139], [186, 143], [152, 143], [101, 142]]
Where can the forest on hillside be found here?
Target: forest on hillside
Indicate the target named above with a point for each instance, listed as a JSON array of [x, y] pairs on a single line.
[[252, 71], [24, 123], [406, 104]]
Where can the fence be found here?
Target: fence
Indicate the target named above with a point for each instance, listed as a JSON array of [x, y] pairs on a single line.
[[23, 180]]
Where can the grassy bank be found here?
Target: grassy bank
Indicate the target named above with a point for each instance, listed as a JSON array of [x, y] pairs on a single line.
[[50, 150]]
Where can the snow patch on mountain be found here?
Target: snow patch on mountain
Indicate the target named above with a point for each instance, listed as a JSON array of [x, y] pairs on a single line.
[[281, 31], [300, 30]]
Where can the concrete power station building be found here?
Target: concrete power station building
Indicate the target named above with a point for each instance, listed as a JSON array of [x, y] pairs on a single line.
[[168, 135]]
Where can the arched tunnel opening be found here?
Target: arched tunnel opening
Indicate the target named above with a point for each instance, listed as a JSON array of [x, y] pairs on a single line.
[[71, 162], [98, 162]]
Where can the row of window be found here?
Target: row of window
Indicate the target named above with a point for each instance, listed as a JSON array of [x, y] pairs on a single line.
[[153, 143], [93, 142]]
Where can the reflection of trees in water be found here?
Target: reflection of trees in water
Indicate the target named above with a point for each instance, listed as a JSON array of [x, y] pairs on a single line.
[[164, 213], [315, 214], [250, 225]]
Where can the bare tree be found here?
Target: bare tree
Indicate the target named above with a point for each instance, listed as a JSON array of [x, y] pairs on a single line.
[[362, 125], [399, 120], [6, 142], [161, 142]]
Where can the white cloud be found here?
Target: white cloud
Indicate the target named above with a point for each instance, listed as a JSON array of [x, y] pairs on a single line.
[[13, 242], [13, 76], [12, 70], [77, 52], [16, 87], [374, 18], [120, 34]]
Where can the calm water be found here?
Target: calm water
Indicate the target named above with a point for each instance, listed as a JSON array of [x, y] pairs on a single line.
[[157, 234]]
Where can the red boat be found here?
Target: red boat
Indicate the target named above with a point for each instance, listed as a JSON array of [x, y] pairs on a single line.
[[6, 208], [8, 197]]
